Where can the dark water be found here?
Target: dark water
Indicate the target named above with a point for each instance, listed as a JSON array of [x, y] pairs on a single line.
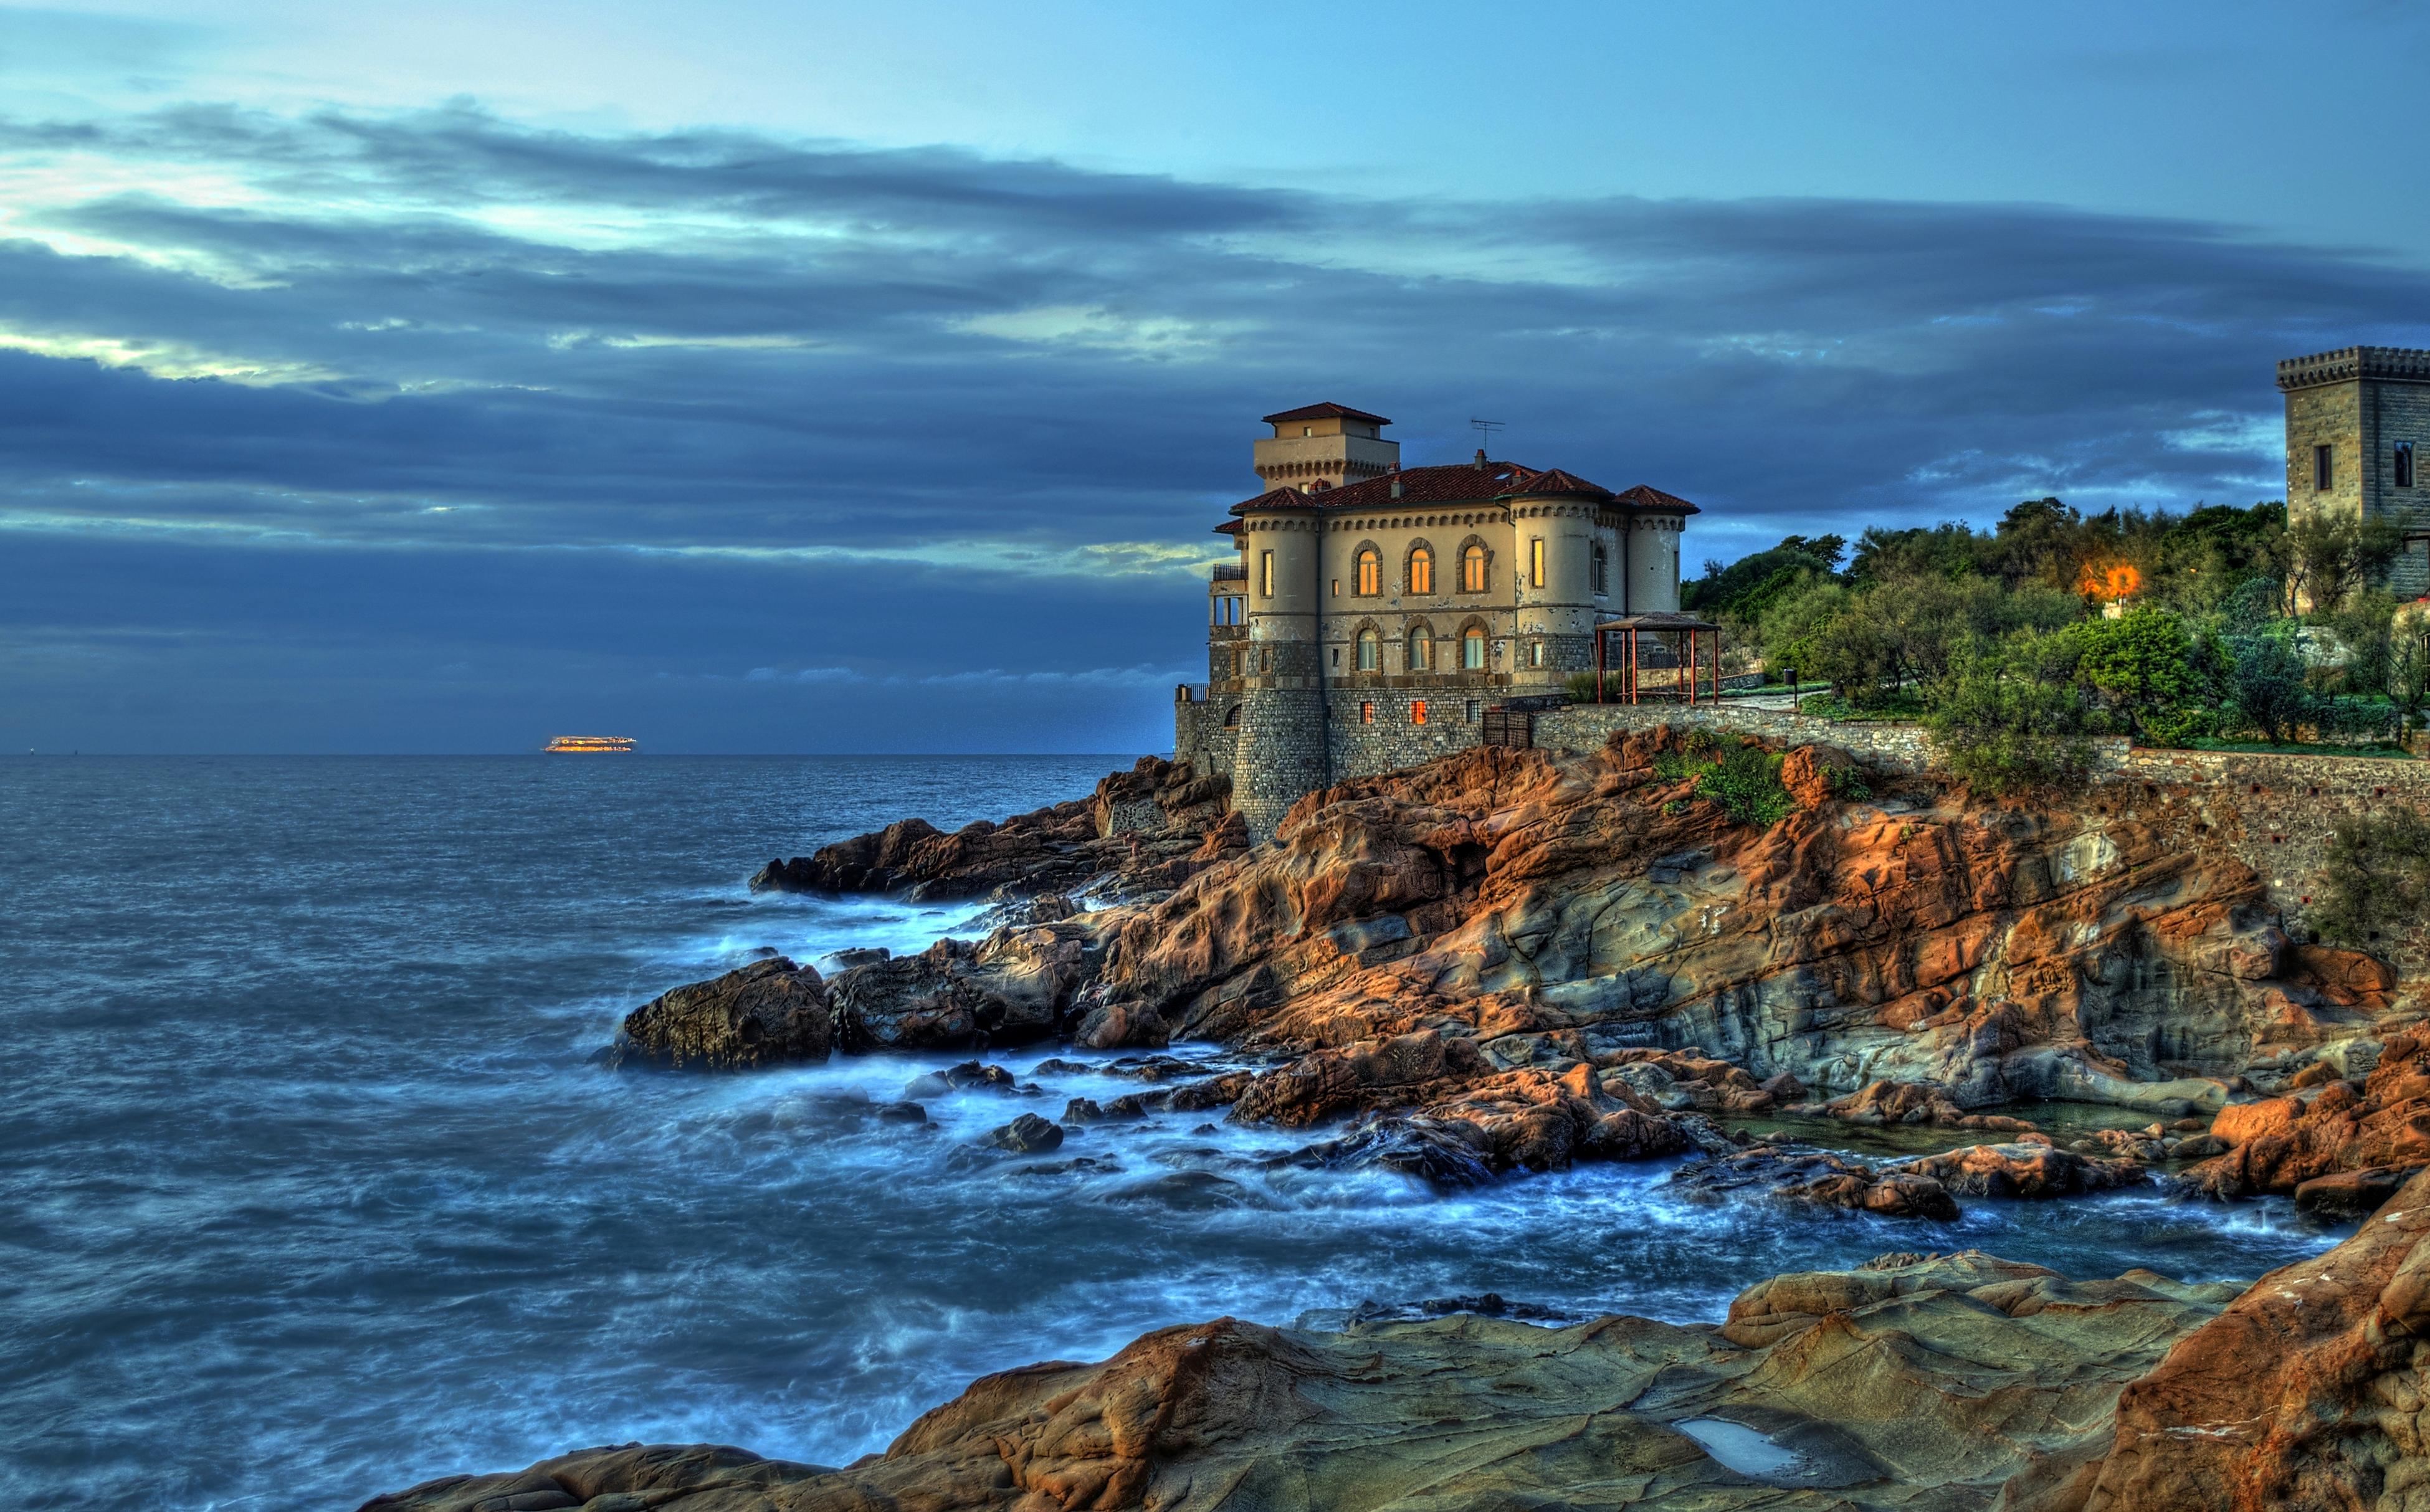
[[309, 1193]]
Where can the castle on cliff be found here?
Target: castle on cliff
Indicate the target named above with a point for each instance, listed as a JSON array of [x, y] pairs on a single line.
[[1375, 614]]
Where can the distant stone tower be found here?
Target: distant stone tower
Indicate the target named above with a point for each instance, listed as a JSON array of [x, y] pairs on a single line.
[[1323, 446], [2357, 432]]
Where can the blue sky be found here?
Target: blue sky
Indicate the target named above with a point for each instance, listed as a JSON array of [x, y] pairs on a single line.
[[808, 377]]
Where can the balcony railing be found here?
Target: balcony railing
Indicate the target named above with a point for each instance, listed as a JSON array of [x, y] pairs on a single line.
[[1230, 572]]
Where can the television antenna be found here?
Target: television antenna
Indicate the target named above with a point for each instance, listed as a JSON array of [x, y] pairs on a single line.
[[1484, 429]]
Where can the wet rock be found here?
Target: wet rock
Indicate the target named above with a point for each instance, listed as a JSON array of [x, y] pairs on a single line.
[[1027, 1135], [1329, 1084], [1012, 987], [2333, 1421], [970, 1076], [1908, 1102], [2023, 1170], [1476, 1408], [902, 1113], [1123, 1025], [2349, 1194], [1146, 829], [1082, 1110], [1419, 1148], [2382, 1121], [771, 1012], [1813, 1179]]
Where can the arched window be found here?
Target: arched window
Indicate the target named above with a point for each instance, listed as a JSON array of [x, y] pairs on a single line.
[[1602, 572], [1370, 572], [1472, 570], [1472, 649], [1421, 570], [1371, 650], [1421, 649], [1232, 717]]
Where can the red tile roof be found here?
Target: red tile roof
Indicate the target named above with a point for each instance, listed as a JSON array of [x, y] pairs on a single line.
[[1229, 527], [1642, 497], [1327, 410], [1461, 483]]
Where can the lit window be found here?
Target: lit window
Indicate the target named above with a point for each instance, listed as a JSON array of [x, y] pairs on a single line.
[[1472, 570], [1472, 649], [1421, 650], [1366, 713], [1602, 571], [2405, 464], [1417, 711], [1421, 570], [1307, 430], [1336, 588], [2323, 469], [1371, 650], [1536, 562], [1266, 574], [1370, 572]]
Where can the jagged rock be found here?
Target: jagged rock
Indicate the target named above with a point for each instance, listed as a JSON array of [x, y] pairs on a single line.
[[766, 1013], [1813, 1179], [2349, 1194], [1831, 1369], [1027, 1135], [1416, 1147], [1880, 1103], [2383, 1121], [1146, 828], [1815, 774], [1082, 1110], [1013, 987], [1123, 1026], [2307, 1392], [2021, 1169]]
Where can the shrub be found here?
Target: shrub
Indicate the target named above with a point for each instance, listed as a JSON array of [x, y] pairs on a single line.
[[2377, 876], [2144, 666], [1744, 780], [2017, 719], [2272, 691]]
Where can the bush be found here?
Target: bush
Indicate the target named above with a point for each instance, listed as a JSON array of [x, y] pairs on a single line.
[[2143, 664], [2273, 694], [2377, 877], [2017, 720], [1744, 780]]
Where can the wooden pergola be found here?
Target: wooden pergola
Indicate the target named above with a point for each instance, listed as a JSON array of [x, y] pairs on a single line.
[[1680, 627]]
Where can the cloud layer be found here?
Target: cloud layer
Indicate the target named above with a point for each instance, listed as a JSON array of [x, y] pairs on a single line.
[[331, 402]]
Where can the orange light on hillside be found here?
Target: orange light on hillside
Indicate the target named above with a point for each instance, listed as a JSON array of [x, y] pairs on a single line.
[[2113, 582]]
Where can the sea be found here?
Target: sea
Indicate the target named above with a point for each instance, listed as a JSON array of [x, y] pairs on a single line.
[[311, 1188]]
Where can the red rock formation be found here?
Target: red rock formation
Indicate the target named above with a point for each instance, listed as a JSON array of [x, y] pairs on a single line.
[[2306, 1393], [2382, 1120], [765, 1014], [1152, 827]]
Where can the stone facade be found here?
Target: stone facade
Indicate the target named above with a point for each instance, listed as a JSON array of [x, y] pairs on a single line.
[[2349, 414], [1368, 594]]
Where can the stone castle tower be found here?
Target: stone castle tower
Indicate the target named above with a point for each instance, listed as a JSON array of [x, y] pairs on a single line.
[[2357, 424], [1374, 614]]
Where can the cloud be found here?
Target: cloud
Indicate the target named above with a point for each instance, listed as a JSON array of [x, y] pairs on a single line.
[[988, 401]]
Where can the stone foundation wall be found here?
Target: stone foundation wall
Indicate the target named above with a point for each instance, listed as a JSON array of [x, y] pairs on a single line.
[[1589, 726]]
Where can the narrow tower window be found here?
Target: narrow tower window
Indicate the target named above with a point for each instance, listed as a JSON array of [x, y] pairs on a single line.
[[1421, 650], [2323, 469], [1536, 562], [1472, 649], [1266, 573], [1472, 570], [1421, 570], [1371, 650], [1417, 711], [2405, 464], [1370, 572], [1535, 653], [1602, 579], [1366, 713]]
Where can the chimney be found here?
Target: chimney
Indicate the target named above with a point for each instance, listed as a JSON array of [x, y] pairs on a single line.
[[1480, 456], [1396, 487]]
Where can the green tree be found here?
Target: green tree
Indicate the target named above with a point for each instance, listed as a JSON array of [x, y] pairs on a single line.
[[2142, 666], [2271, 692], [2015, 717]]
